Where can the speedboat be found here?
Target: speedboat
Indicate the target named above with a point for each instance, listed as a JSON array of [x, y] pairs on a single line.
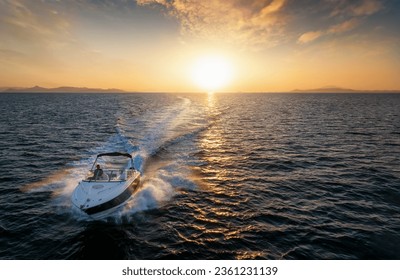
[[109, 184]]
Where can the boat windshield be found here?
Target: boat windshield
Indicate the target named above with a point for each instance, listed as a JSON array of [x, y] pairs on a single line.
[[110, 175], [110, 167], [106, 175]]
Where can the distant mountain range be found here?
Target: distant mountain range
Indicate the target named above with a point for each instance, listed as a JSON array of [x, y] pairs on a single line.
[[342, 90], [59, 89]]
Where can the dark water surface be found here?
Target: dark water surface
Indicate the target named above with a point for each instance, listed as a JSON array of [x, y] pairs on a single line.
[[225, 176]]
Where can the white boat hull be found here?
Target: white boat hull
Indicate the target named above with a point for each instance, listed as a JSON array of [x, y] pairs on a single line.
[[99, 198]]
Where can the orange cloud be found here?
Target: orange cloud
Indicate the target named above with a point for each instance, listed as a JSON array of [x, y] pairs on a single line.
[[249, 22], [335, 29], [264, 22], [354, 12], [309, 36], [344, 26]]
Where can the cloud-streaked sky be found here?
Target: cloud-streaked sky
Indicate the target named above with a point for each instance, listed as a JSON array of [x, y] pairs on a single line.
[[153, 45]]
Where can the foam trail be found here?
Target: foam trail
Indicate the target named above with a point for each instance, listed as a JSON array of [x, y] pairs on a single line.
[[156, 128], [160, 178]]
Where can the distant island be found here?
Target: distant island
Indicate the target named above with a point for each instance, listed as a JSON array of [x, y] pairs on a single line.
[[60, 89], [342, 90]]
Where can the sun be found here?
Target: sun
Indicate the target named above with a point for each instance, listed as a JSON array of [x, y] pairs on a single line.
[[212, 72]]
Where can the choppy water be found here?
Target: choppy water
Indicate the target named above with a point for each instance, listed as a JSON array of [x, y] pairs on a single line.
[[225, 176]]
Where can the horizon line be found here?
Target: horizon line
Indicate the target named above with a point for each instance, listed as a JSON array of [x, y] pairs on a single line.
[[83, 89]]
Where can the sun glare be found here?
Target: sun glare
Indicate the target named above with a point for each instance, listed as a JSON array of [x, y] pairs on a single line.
[[212, 72]]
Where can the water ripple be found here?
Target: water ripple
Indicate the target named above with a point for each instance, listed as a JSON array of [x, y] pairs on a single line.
[[225, 176]]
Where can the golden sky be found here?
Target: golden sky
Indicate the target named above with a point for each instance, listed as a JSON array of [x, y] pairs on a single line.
[[156, 45]]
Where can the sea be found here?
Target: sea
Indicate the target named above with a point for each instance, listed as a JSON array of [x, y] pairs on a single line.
[[224, 176]]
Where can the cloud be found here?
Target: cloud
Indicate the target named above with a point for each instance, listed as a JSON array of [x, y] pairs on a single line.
[[354, 13], [310, 36], [33, 25], [265, 22], [245, 21], [356, 8], [367, 8], [344, 26], [335, 29], [49, 24]]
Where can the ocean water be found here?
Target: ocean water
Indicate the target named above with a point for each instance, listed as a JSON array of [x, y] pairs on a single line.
[[224, 176]]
